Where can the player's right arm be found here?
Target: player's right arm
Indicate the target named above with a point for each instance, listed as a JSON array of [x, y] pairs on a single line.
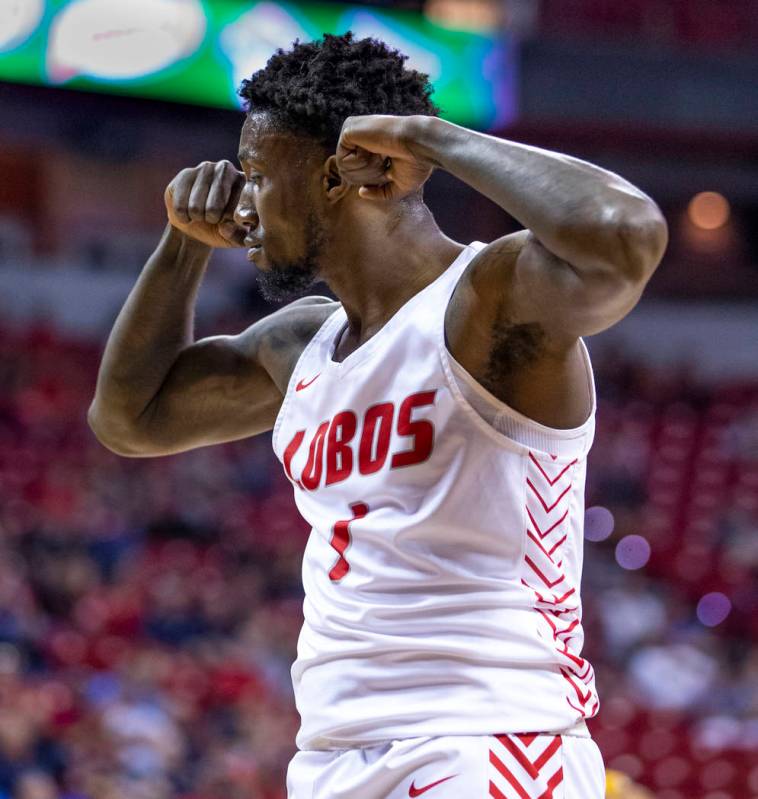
[[158, 390]]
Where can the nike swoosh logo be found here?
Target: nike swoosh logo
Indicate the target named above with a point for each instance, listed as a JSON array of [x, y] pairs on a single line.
[[305, 383], [413, 791]]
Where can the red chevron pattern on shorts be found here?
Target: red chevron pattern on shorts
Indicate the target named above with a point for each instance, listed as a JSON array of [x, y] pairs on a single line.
[[556, 601], [526, 767]]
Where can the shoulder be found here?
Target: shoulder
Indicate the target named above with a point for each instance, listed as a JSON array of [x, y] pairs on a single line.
[[313, 306], [494, 258], [299, 321], [277, 341]]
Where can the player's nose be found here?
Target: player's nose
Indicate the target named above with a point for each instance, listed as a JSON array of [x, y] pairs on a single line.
[[245, 214]]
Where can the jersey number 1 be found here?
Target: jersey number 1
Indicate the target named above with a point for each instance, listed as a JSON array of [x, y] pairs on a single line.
[[341, 540]]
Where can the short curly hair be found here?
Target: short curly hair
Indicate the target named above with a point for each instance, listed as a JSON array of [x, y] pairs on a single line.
[[311, 89]]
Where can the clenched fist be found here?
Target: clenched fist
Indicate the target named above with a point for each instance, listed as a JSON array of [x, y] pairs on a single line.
[[379, 154], [200, 202]]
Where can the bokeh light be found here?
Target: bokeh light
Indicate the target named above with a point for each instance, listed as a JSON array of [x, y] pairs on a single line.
[[628, 764], [713, 608], [465, 14], [709, 210], [717, 774], [671, 771], [632, 552], [752, 780], [598, 523]]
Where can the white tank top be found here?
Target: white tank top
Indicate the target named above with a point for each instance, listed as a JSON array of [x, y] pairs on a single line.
[[443, 567]]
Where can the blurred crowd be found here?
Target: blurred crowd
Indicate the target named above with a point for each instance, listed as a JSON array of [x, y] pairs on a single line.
[[149, 608]]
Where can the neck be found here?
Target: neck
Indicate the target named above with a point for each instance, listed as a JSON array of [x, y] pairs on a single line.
[[383, 261]]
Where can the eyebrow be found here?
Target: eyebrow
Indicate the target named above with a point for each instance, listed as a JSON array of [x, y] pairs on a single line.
[[246, 155]]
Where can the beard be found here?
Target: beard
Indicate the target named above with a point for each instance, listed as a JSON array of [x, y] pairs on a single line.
[[287, 280]]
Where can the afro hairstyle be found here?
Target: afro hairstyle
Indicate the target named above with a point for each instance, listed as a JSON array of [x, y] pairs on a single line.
[[311, 89]]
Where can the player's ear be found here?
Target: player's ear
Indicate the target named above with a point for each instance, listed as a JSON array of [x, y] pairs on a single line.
[[335, 186]]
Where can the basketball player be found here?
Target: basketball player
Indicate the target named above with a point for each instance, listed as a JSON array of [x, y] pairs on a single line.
[[434, 422]]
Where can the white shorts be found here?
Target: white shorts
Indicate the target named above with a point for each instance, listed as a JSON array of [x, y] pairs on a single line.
[[514, 766]]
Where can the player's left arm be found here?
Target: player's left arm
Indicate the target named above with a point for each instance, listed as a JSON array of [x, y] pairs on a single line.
[[591, 242]]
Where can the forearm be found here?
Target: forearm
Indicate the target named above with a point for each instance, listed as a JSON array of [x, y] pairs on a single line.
[[155, 324], [585, 215]]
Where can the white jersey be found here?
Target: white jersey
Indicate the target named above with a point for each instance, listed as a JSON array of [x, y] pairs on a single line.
[[442, 572]]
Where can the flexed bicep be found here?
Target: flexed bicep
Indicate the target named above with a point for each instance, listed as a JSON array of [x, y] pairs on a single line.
[[566, 302], [517, 279], [212, 394], [225, 388]]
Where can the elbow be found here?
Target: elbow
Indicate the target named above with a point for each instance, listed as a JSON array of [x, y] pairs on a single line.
[[642, 238], [117, 438]]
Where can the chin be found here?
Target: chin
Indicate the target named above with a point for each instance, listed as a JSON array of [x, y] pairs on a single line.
[[282, 282]]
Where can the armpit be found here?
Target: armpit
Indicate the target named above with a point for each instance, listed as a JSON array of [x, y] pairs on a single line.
[[514, 348]]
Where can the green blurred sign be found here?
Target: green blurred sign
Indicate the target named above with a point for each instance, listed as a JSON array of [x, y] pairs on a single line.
[[198, 51]]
